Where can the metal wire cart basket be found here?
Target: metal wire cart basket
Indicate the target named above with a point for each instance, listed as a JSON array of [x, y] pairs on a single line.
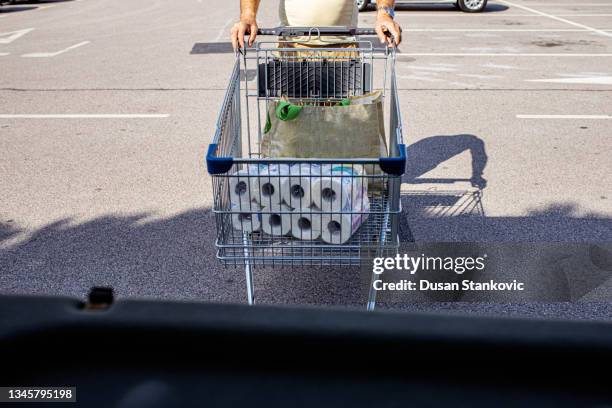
[[265, 207]]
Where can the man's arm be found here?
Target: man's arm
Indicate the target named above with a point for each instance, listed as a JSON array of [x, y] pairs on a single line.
[[247, 23], [386, 24]]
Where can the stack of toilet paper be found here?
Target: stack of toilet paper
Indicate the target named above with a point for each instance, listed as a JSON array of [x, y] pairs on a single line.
[[246, 213], [308, 201], [256, 200], [342, 196]]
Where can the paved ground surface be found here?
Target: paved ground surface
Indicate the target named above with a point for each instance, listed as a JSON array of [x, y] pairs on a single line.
[[126, 201]]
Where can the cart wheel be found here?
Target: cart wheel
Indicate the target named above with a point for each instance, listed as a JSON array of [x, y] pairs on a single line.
[[362, 4], [472, 6]]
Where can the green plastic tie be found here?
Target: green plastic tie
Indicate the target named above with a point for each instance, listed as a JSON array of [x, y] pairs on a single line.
[[268, 123], [287, 111]]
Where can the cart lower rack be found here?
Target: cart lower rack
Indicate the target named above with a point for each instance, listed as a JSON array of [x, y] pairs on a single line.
[[266, 208]]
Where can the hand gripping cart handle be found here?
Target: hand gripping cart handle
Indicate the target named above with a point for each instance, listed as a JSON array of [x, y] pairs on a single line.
[[275, 70]]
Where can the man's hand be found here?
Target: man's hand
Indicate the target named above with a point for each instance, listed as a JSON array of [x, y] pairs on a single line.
[[387, 29], [246, 25]]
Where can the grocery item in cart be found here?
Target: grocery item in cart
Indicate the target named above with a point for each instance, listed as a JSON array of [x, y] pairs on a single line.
[[246, 218], [240, 186], [267, 188], [353, 129], [341, 188], [338, 228], [306, 224], [276, 220], [296, 188]]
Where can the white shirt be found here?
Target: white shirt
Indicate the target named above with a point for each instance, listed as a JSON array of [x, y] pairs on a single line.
[[319, 13]]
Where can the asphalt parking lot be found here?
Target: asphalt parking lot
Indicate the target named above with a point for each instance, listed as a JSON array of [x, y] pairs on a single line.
[[106, 113]]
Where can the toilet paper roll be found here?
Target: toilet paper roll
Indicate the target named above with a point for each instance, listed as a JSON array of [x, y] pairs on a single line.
[[341, 188], [276, 220], [296, 188], [339, 228], [267, 188], [246, 218], [306, 224], [240, 186]]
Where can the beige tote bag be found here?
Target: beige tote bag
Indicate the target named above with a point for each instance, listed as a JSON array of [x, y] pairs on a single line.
[[353, 129]]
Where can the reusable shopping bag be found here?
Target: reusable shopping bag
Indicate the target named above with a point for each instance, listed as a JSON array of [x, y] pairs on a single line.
[[353, 128]]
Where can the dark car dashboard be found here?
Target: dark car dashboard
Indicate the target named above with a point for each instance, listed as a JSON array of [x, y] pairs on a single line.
[[156, 354]]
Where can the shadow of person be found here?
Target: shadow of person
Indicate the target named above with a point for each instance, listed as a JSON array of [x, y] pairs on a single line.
[[136, 255], [426, 154], [142, 255]]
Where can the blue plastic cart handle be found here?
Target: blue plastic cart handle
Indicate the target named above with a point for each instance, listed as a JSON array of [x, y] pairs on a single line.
[[395, 166], [217, 165]]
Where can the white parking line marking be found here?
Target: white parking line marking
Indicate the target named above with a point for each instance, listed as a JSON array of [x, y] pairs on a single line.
[[224, 30], [85, 116], [499, 66], [563, 20], [420, 78], [434, 69], [4, 54], [504, 50], [7, 38], [481, 35], [597, 80], [501, 30], [592, 117], [466, 15], [510, 54], [477, 76], [54, 54], [568, 4]]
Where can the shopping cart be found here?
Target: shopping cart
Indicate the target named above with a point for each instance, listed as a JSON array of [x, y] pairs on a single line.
[[235, 160]]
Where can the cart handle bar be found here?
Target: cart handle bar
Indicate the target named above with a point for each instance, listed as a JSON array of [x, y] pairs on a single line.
[[395, 166], [318, 31]]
